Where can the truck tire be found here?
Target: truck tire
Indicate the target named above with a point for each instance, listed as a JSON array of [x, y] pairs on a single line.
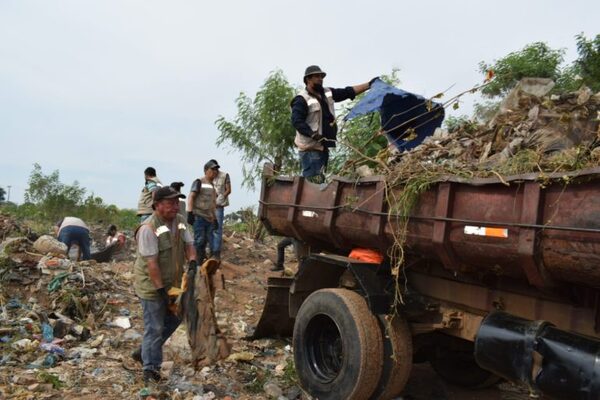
[[397, 357], [459, 368], [338, 347]]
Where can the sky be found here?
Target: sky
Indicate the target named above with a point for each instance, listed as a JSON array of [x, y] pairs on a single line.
[[100, 90]]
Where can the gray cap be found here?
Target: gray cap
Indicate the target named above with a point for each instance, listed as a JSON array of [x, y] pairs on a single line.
[[211, 164], [313, 70], [165, 192]]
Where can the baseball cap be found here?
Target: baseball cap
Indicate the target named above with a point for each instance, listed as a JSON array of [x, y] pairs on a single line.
[[211, 164], [166, 192]]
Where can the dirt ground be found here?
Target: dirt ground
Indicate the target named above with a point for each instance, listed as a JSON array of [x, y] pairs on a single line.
[[98, 364]]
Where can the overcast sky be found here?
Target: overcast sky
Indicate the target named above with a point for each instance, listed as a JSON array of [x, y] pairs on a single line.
[[102, 89]]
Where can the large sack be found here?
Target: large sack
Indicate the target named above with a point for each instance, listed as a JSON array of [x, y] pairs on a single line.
[[47, 244]]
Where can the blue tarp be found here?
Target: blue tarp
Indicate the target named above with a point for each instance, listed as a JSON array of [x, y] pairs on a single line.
[[400, 111]]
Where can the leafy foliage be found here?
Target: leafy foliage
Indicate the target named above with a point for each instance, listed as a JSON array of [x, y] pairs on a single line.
[[47, 200], [534, 60], [262, 129], [359, 133], [2, 195], [587, 64], [463, 122]]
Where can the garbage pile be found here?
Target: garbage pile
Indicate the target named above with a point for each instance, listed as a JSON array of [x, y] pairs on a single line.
[[534, 131], [67, 330]]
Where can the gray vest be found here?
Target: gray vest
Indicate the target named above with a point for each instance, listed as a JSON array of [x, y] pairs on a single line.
[[204, 202], [314, 120], [219, 183]]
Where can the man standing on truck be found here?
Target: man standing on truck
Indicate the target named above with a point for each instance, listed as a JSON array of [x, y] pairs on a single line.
[[222, 184], [151, 183], [313, 116], [164, 243], [202, 211]]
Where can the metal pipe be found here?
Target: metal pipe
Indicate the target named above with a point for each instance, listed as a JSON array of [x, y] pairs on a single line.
[[559, 364]]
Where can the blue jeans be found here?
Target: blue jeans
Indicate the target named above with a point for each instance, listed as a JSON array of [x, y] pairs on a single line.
[[159, 325], [314, 165], [78, 235], [203, 235], [218, 233]]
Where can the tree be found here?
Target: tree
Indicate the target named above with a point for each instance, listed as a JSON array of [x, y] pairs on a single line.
[[534, 60], [262, 129], [587, 64], [2, 195], [53, 198]]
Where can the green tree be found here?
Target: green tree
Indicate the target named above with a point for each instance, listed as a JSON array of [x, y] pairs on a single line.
[[359, 133], [262, 130], [2, 195], [587, 64], [53, 198], [534, 60]]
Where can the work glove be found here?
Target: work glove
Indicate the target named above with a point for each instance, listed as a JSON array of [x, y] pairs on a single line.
[[215, 225], [317, 137], [190, 218], [164, 296], [373, 80], [193, 265]]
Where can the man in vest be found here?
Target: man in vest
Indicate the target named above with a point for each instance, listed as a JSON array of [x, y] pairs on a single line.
[[222, 185], [313, 116], [150, 185], [164, 244], [202, 211]]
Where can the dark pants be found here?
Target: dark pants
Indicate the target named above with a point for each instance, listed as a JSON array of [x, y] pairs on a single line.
[[159, 325], [203, 235], [314, 165], [78, 235], [218, 233], [283, 243]]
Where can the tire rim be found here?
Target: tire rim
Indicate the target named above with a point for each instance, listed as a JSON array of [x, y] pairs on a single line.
[[324, 348]]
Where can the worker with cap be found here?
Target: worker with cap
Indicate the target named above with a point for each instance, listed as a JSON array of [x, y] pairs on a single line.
[[313, 116], [222, 184], [151, 183], [202, 205], [177, 186], [164, 244]]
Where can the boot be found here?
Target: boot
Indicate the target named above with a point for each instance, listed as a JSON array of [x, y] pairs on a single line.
[[151, 376], [216, 256], [137, 355], [277, 268]]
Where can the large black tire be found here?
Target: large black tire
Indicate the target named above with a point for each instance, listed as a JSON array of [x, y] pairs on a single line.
[[338, 346], [459, 368], [397, 357]]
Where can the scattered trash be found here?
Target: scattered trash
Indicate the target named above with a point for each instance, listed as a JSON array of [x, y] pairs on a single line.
[[121, 322]]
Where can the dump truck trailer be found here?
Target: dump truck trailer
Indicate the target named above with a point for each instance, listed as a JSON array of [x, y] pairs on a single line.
[[500, 278]]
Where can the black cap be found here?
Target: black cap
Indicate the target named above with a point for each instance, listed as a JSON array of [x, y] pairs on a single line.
[[312, 70], [211, 164], [177, 185], [166, 192]]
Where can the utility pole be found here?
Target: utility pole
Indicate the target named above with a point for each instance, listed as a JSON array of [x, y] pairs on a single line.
[[8, 195]]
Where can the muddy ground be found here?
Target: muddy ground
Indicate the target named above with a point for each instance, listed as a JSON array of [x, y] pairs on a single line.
[[93, 360]]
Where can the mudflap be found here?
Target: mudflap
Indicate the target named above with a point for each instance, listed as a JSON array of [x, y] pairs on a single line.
[[275, 320]]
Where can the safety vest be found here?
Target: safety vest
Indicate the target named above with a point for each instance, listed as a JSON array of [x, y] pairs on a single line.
[[204, 202], [171, 258], [314, 120], [219, 183], [145, 201]]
